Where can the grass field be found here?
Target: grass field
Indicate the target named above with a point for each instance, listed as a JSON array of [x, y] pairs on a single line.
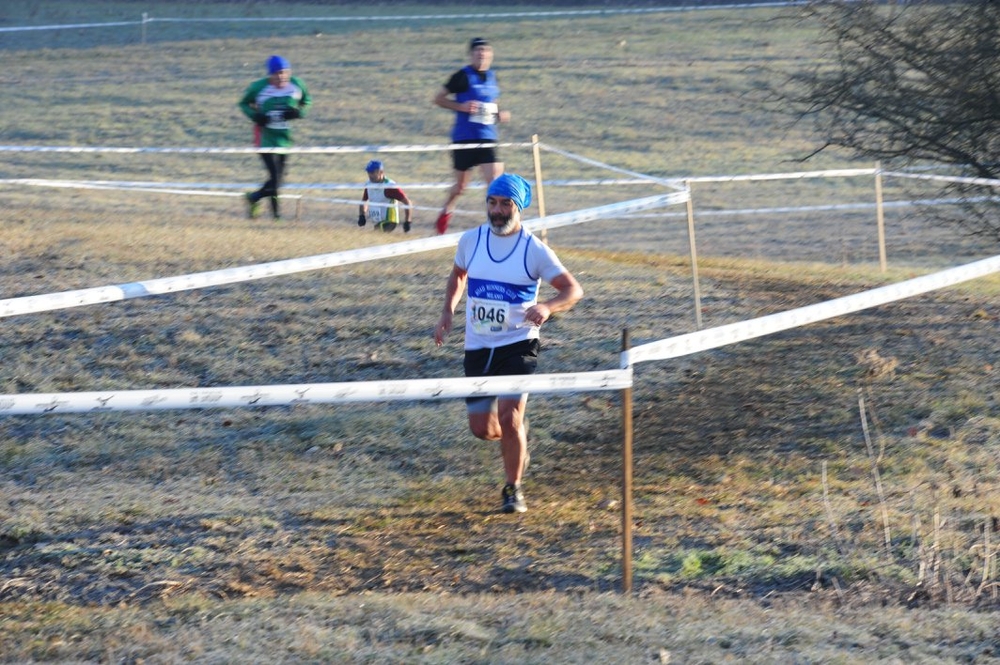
[[766, 530]]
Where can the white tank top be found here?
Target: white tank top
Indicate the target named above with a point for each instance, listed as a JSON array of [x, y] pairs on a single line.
[[504, 273], [385, 209]]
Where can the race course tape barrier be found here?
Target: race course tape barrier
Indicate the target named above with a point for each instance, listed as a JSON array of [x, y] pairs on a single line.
[[146, 19], [311, 393], [703, 340], [452, 388], [291, 150], [188, 187], [163, 285]]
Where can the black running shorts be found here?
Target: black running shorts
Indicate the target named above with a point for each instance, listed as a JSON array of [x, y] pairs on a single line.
[[472, 157], [512, 359]]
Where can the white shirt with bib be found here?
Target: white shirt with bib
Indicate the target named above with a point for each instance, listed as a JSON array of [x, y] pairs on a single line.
[[504, 273]]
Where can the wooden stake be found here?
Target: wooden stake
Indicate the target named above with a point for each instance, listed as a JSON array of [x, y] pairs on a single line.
[[694, 257], [880, 217], [626, 480], [539, 190]]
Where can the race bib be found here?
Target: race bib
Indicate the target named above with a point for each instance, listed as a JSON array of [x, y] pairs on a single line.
[[489, 317], [377, 214], [276, 119], [486, 114]]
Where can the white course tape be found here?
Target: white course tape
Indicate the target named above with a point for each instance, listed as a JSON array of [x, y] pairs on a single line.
[[703, 340], [986, 182], [612, 210], [409, 18], [675, 183], [477, 17], [173, 187], [311, 393], [800, 175], [318, 150], [840, 207], [70, 26], [96, 185], [103, 294]]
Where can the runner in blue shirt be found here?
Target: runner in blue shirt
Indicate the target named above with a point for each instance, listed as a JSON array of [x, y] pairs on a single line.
[[472, 93]]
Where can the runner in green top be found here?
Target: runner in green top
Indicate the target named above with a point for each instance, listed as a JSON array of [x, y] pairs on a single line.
[[272, 102]]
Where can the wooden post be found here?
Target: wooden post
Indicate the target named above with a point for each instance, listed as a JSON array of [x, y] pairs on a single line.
[[145, 18], [880, 217], [539, 190], [626, 480], [694, 256]]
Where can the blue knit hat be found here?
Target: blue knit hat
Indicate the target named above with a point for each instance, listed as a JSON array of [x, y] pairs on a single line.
[[374, 165], [513, 187], [276, 63]]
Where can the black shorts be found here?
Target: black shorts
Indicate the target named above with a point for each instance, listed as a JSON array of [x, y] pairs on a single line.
[[516, 358], [472, 157]]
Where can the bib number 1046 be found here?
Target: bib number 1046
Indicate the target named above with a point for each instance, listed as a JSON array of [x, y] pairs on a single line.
[[490, 317]]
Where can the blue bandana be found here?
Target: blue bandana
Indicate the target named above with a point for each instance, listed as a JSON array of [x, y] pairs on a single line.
[[513, 187]]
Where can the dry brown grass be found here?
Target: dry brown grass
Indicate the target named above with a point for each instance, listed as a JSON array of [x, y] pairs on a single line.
[[369, 533]]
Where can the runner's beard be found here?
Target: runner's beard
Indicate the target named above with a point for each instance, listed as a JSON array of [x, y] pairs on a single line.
[[501, 225]]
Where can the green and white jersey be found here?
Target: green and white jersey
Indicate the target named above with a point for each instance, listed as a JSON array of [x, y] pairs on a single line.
[[260, 96]]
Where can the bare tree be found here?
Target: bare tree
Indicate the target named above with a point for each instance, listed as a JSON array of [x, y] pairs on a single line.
[[910, 82]]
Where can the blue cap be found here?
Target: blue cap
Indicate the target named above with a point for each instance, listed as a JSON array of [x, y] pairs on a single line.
[[374, 165], [513, 187], [276, 63]]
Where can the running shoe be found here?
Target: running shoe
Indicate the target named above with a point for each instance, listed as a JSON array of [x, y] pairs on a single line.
[[442, 222], [512, 499], [253, 207]]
